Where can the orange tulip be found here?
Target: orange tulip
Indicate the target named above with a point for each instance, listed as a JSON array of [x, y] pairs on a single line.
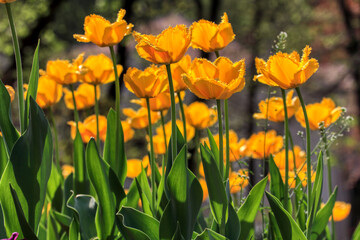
[[98, 70], [139, 119], [199, 115], [66, 170], [87, 128], [101, 32], [64, 72], [256, 147], [49, 92], [301, 175], [190, 131], [218, 80], [134, 166], [84, 96], [300, 158], [340, 211], [273, 108], [286, 70], [204, 188], [159, 144], [148, 83], [11, 92], [159, 103], [210, 37], [324, 112], [127, 130], [167, 47], [238, 180], [177, 69], [7, 1]]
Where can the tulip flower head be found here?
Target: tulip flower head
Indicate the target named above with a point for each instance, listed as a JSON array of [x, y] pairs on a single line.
[[286, 70], [238, 180], [101, 32], [218, 80], [139, 119], [273, 108], [159, 103], [340, 211], [177, 69], [258, 147], [190, 131], [66, 170], [64, 72], [148, 83], [98, 70], [199, 115], [166, 48], [49, 92], [87, 128], [210, 37], [135, 166], [84, 96], [324, 112], [300, 158], [11, 92]]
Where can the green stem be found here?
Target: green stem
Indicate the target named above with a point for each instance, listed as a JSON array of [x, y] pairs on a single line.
[[19, 72], [76, 113], [197, 149], [227, 137], [327, 155], [221, 144], [286, 132], [97, 118], [183, 120], [52, 119], [173, 114], [164, 133], [152, 160], [117, 103], [308, 159]]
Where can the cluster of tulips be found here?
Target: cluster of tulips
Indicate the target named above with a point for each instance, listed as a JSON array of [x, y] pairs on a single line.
[[90, 199]]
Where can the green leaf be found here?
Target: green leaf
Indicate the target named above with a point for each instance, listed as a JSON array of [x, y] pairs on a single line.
[[132, 197], [26, 230], [85, 207], [232, 228], [8, 130], [62, 218], [180, 143], [301, 202], [217, 194], [247, 212], [276, 183], [130, 233], [68, 186], [28, 172], [117, 164], [52, 228], [2, 227], [81, 181], [144, 190], [209, 234], [74, 230], [33, 82], [214, 148], [288, 227], [274, 229], [316, 191], [109, 191], [356, 234], [54, 189], [4, 158], [322, 216], [133, 218]]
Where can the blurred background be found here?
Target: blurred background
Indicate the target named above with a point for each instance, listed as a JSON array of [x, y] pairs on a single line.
[[330, 27]]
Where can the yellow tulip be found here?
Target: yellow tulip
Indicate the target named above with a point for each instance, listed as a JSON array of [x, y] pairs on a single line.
[[324, 112], [98, 70], [148, 83], [177, 69], [273, 108], [199, 115], [190, 131], [286, 70], [87, 128], [11, 92], [159, 103], [127, 130], [210, 37], [167, 47], [340, 211], [300, 159], [66, 170], [139, 119], [301, 175], [218, 80], [84, 96], [49, 92], [135, 166], [238, 180], [256, 147], [101, 32], [159, 144], [64, 72]]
